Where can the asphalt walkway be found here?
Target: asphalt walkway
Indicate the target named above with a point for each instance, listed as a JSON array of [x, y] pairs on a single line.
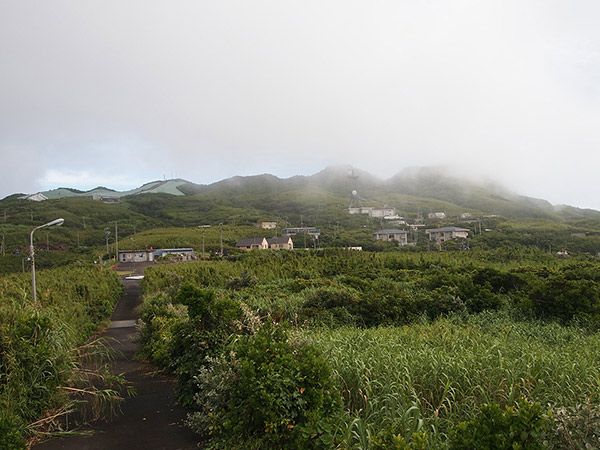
[[151, 419]]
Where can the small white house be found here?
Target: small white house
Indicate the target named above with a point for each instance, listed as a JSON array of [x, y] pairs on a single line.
[[392, 235]]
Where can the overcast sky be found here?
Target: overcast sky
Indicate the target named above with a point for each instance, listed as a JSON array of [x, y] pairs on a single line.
[[118, 93]]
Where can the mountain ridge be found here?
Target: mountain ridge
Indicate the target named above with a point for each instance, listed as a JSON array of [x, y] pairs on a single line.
[[412, 185]]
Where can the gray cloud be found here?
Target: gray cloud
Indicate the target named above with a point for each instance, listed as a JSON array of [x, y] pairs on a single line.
[[118, 92]]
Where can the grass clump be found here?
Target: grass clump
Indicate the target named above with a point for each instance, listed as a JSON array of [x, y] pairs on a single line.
[[39, 345]]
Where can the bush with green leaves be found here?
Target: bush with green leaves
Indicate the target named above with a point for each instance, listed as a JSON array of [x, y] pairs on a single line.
[[158, 319], [387, 440], [178, 333], [273, 391], [576, 427], [566, 297], [517, 427], [12, 431], [212, 322]]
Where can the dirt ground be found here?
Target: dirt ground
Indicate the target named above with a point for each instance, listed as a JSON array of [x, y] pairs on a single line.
[[151, 419]]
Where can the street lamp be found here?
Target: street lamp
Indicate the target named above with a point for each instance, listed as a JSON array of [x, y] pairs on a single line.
[[56, 222]]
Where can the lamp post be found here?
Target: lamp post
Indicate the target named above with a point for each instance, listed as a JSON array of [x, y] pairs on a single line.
[[56, 222]]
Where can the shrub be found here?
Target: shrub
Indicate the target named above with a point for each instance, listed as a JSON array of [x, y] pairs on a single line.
[[519, 427], [390, 441], [158, 320], [333, 305], [576, 427], [11, 432], [560, 297], [246, 279], [210, 324], [272, 392]]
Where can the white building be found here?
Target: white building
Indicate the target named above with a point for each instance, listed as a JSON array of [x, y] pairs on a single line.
[[184, 254], [136, 256], [436, 215], [392, 235], [266, 225], [446, 233]]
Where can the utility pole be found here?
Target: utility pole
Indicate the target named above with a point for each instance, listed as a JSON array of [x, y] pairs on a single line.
[[83, 222], [221, 238], [202, 244], [106, 233], [116, 243], [3, 246]]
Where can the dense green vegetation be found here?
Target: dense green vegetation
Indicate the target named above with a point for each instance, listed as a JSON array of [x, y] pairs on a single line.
[[422, 350], [43, 345]]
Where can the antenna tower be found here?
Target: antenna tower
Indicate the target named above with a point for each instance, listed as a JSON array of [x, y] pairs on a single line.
[[352, 181]]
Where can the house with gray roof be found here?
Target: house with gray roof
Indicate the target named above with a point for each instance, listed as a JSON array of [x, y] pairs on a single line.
[[281, 243], [252, 243]]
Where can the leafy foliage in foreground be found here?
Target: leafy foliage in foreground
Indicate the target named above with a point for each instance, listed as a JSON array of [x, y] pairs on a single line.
[[38, 341], [416, 344], [519, 427], [274, 392]]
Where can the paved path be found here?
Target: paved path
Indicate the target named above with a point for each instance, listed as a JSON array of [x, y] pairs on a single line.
[[151, 419]]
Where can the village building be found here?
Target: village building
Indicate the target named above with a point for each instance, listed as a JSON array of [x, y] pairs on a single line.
[[436, 215], [382, 212], [446, 233], [252, 243], [392, 235], [373, 212], [184, 254], [358, 210], [266, 225], [314, 232], [281, 243], [136, 256]]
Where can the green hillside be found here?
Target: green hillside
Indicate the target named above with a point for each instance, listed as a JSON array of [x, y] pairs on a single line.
[[495, 216]]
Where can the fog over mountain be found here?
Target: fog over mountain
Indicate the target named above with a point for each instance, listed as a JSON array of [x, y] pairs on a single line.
[[120, 93]]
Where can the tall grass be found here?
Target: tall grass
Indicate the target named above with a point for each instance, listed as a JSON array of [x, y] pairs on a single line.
[[39, 341], [434, 375]]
